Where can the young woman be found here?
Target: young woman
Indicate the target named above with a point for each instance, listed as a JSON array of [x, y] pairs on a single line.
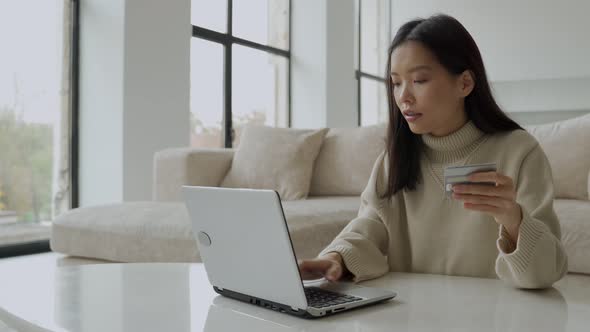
[[442, 113]]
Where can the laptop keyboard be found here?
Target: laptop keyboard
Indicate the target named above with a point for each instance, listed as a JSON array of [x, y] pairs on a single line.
[[320, 298]]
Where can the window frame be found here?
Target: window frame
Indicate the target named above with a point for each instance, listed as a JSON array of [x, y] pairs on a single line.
[[359, 74], [227, 40]]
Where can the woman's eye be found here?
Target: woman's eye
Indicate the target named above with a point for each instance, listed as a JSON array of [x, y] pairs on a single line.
[[396, 84], [419, 81]]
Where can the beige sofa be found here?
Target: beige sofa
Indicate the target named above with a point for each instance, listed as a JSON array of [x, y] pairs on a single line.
[[160, 230]]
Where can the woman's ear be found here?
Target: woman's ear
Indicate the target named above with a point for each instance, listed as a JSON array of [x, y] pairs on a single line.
[[466, 83]]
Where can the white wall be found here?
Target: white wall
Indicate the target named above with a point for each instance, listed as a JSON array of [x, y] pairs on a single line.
[[341, 84], [536, 51], [519, 40], [323, 90], [157, 86], [134, 93]]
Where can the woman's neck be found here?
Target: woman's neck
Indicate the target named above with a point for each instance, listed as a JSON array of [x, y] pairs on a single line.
[[451, 126]]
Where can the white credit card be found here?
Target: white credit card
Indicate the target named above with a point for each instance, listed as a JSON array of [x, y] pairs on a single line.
[[460, 174]]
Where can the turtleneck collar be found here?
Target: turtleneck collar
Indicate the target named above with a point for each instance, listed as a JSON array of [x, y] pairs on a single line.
[[453, 147]]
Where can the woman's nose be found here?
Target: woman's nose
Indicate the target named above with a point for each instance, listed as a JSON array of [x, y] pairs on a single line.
[[405, 95]]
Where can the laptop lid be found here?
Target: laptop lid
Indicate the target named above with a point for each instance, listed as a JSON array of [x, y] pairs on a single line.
[[244, 243]]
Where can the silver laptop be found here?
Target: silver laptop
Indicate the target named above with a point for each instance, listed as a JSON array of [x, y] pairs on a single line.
[[245, 245]]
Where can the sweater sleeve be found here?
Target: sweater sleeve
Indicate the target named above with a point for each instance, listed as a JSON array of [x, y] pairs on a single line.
[[363, 243], [537, 259]]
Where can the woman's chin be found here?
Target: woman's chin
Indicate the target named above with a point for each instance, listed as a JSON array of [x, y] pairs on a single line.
[[418, 130]]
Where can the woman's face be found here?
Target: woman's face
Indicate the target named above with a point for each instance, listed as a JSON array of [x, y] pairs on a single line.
[[430, 98]]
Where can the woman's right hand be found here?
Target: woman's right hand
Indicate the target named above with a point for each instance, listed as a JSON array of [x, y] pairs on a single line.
[[329, 266]]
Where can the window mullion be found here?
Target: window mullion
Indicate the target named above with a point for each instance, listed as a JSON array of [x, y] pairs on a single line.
[[227, 115], [289, 108], [227, 80], [358, 87]]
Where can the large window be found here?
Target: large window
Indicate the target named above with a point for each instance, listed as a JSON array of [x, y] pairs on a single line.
[[35, 117], [373, 39], [240, 62]]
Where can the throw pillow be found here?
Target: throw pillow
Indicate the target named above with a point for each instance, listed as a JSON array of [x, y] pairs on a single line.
[[279, 159], [346, 160], [567, 146]]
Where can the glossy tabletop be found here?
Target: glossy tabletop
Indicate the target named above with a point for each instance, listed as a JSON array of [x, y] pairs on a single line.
[[37, 294]]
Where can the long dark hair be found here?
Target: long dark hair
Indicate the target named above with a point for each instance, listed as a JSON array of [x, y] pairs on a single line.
[[456, 50]]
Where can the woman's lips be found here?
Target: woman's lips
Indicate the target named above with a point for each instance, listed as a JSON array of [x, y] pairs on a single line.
[[411, 116]]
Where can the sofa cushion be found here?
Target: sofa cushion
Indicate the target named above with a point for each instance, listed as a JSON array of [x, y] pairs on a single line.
[[161, 232], [127, 232], [574, 217], [280, 159], [566, 144], [313, 223], [346, 159]]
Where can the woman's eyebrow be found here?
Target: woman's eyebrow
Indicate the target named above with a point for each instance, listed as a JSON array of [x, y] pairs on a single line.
[[416, 68]]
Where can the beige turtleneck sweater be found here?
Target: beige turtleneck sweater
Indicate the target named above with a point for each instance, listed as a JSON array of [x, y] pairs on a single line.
[[424, 231]]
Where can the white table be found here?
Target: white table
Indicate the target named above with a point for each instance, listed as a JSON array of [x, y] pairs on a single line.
[[38, 295]]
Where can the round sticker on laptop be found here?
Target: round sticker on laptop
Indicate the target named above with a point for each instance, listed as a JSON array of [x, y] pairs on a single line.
[[204, 239]]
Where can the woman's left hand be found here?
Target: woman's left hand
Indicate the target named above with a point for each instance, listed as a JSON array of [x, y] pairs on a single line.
[[498, 200]]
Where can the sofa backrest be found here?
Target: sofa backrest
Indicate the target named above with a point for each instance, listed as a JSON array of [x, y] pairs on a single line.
[[567, 146], [346, 159], [347, 156]]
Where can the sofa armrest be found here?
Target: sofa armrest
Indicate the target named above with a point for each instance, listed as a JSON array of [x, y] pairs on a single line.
[[174, 168]]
